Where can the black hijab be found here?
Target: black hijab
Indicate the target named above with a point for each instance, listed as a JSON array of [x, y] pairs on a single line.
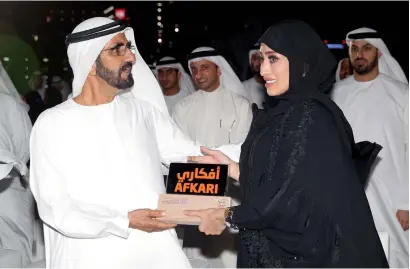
[[312, 65], [311, 76]]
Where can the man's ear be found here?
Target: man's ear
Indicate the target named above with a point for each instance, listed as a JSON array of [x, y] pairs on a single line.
[[179, 75], [379, 53], [218, 71], [93, 70]]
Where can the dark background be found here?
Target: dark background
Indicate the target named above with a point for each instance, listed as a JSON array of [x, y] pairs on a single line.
[[231, 27]]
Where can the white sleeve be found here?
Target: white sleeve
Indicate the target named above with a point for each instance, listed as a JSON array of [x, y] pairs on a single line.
[[403, 202], [178, 118], [51, 189], [14, 136], [233, 151], [240, 132], [173, 144], [20, 129]]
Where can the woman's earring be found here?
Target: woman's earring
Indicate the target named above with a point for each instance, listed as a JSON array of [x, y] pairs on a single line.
[[305, 69]]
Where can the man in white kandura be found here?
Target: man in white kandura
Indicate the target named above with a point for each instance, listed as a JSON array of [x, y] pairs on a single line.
[[219, 112], [343, 70], [375, 100], [255, 86], [98, 190], [20, 230], [175, 82]]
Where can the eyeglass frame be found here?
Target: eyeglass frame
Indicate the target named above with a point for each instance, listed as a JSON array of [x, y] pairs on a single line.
[[129, 46]]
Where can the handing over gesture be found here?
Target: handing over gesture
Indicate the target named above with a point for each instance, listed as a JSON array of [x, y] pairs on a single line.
[[213, 219], [145, 220], [217, 157]]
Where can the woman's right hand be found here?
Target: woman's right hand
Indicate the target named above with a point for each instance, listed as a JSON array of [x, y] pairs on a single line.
[[217, 157]]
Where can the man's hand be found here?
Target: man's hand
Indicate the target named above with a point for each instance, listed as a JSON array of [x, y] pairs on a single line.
[[403, 217], [145, 220]]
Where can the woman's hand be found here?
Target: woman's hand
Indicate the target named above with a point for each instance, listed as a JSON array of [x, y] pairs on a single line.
[[217, 157], [212, 220]]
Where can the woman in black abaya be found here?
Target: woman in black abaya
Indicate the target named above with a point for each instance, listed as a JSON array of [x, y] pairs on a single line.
[[303, 202]]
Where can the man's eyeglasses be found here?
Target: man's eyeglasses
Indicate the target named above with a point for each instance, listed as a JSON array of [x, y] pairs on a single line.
[[121, 49]]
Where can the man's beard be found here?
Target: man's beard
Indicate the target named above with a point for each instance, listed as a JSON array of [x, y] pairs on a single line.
[[255, 70], [171, 86], [113, 78], [364, 69]]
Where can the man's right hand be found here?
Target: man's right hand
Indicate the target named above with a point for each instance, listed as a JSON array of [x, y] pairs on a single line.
[[145, 220]]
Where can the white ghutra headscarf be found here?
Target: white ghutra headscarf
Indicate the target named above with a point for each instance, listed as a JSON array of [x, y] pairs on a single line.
[[255, 49], [229, 80], [82, 56], [387, 63], [7, 87], [185, 82]]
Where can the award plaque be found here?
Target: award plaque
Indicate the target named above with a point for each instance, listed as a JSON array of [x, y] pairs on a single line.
[[193, 186]]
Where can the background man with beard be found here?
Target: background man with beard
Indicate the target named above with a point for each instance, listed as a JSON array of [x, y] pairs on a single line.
[[97, 191], [175, 82], [375, 102], [344, 69], [255, 85]]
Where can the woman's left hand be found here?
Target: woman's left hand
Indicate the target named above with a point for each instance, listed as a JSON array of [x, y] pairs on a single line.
[[212, 220]]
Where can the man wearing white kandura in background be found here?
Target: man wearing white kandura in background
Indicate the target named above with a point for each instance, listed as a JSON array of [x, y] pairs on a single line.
[[255, 86], [375, 100]]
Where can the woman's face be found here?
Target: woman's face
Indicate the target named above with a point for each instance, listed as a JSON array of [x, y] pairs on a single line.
[[274, 70]]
